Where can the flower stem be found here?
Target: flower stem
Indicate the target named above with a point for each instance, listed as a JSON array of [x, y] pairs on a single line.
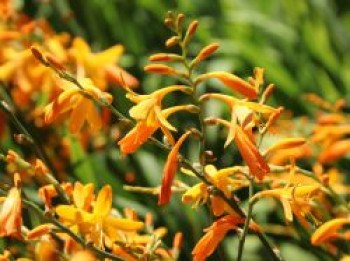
[[247, 220]]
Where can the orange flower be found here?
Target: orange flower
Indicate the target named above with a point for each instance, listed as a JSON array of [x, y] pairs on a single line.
[[160, 69], [328, 231], [214, 234], [252, 157], [81, 109], [170, 170], [11, 214], [142, 131], [232, 81], [242, 112], [101, 67]]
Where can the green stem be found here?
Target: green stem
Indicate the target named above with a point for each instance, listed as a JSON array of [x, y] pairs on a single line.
[[38, 150], [247, 220]]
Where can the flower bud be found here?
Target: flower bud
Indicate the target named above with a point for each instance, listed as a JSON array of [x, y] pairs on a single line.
[[204, 53], [192, 28], [172, 41], [160, 69]]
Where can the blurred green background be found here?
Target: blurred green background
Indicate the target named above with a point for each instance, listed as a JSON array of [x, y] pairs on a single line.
[[303, 45]]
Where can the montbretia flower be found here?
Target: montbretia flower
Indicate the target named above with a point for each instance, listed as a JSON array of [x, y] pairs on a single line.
[[170, 171], [328, 231], [222, 179], [99, 222], [11, 214], [295, 200], [101, 67], [242, 112], [215, 234], [82, 109], [148, 107], [137, 136]]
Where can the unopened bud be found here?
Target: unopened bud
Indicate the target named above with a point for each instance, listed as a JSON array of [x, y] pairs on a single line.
[[165, 57], [160, 69], [179, 21], [169, 22], [172, 41], [204, 53], [38, 55], [190, 32], [54, 62]]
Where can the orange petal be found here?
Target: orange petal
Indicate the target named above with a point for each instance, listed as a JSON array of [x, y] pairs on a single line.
[[170, 170], [136, 137], [328, 230], [256, 163]]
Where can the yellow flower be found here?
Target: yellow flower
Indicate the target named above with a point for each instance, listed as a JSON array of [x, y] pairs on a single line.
[[242, 112], [295, 200], [81, 109], [221, 179], [150, 117], [101, 67], [98, 223], [328, 231]]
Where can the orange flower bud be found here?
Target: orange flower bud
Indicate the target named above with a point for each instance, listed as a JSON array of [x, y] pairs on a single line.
[[190, 32], [179, 21], [335, 151], [160, 69], [255, 162], [165, 57], [54, 62], [232, 81], [172, 41], [39, 231], [267, 93], [170, 170], [38, 55], [204, 53], [285, 144]]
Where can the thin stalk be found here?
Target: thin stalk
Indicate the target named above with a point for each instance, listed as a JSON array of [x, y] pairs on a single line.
[[38, 150], [247, 220]]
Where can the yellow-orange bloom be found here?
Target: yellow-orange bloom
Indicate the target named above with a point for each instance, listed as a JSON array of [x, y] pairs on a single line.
[[143, 130], [170, 170], [11, 214], [99, 223], [81, 109], [328, 230], [101, 66], [160, 69], [295, 200], [214, 234]]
